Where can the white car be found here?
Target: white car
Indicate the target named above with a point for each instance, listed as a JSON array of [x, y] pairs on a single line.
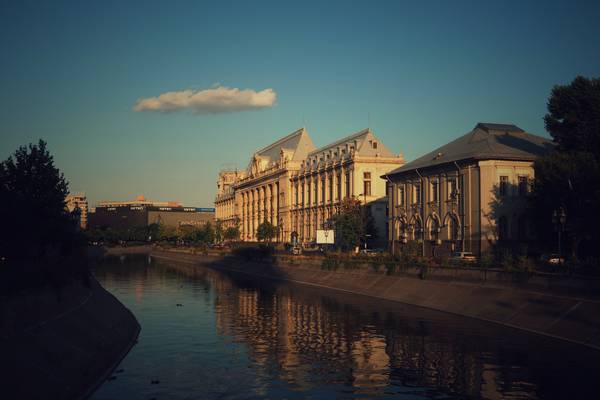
[[463, 256]]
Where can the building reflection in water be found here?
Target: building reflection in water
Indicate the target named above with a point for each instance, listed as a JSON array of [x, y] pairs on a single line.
[[312, 339], [301, 337]]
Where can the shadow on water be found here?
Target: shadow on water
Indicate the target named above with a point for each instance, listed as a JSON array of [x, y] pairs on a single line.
[[326, 344]]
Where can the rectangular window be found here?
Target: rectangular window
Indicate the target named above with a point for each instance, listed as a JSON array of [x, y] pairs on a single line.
[[330, 187], [302, 195], [374, 145], [316, 190], [367, 183], [452, 189], [523, 186], [323, 190], [308, 194], [417, 192], [401, 195], [339, 187], [296, 197], [367, 188], [435, 194], [347, 184], [503, 189]]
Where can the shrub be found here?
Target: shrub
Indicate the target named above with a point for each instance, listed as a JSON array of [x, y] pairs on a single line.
[[390, 267], [375, 266]]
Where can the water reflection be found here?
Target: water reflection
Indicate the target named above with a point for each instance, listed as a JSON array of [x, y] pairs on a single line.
[[282, 340]]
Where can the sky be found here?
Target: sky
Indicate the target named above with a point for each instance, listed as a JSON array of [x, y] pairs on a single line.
[[155, 98]]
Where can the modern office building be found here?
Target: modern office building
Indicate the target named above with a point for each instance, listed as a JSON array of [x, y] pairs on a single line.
[[142, 212], [466, 195], [78, 201], [297, 187]]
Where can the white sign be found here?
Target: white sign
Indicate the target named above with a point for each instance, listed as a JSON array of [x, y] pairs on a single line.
[[325, 236]]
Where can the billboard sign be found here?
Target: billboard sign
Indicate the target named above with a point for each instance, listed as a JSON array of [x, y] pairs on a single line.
[[325, 236]]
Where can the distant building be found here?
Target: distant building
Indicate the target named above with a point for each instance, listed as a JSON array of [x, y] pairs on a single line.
[[225, 210], [78, 201], [142, 212], [466, 195], [298, 188]]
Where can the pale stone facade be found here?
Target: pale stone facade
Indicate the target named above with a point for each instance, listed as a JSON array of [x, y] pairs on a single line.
[[225, 208], [468, 194], [350, 167], [264, 193], [297, 187]]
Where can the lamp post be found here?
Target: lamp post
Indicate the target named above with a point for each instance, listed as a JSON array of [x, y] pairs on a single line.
[[559, 218], [363, 214]]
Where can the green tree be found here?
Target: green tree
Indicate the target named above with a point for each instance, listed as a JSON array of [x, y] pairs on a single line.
[[38, 233], [168, 233], [231, 233], [569, 176], [187, 233], [349, 224], [218, 231], [266, 232], [206, 234]]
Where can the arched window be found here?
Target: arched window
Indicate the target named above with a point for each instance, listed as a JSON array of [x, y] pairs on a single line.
[[434, 229], [452, 228]]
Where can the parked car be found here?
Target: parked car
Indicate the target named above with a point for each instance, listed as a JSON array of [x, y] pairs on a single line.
[[465, 256], [552, 259], [368, 252]]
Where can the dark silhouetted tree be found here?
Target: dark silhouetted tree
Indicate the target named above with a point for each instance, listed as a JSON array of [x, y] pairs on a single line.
[[38, 233], [570, 176]]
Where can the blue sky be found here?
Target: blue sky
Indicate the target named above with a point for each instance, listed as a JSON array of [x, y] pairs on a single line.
[[426, 72]]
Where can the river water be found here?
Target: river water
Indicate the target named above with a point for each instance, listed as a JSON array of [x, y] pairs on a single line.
[[208, 334]]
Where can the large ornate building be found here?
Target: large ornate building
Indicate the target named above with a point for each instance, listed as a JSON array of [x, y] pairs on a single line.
[[297, 187], [350, 167], [466, 195]]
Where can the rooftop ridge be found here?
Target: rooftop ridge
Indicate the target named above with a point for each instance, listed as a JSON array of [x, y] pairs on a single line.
[[279, 141], [345, 139]]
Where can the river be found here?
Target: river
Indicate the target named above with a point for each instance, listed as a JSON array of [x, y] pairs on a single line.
[[208, 334]]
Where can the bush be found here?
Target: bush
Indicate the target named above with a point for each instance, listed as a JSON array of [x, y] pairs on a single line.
[[330, 264], [375, 266], [390, 267]]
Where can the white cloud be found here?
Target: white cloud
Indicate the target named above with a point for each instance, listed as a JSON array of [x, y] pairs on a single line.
[[215, 100]]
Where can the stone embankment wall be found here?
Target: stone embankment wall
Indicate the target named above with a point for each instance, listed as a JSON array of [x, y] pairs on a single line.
[[548, 312], [62, 344]]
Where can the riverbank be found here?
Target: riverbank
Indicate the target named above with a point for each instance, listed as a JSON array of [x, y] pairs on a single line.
[[62, 344], [567, 317]]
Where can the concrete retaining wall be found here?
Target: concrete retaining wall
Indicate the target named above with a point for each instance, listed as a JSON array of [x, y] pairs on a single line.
[[570, 318], [62, 345]]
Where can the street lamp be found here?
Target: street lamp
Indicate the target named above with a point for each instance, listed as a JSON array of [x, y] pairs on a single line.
[[559, 218], [364, 216]]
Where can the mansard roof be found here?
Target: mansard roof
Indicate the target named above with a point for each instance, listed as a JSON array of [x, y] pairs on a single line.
[[296, 146], [486, 141], [298, 142], [363, 146]]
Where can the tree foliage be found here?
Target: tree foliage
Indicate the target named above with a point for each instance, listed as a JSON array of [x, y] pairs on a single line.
[[570, 176], [38, 231], [348, 224], [266, 232]]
